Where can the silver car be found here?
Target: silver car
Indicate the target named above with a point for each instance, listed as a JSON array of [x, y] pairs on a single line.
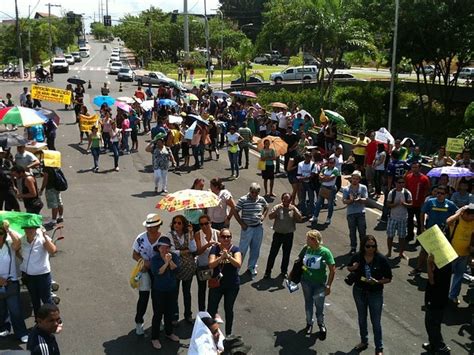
[[115, 67], [126, 74]]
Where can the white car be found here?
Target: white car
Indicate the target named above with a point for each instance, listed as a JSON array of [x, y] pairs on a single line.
[[69, 59], [306, 73], [115, 67], [126, 74], [60, 65], [114, 58], [466, 73]]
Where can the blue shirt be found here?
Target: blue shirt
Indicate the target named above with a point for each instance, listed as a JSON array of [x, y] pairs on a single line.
[[355, 207], [230, 274], [167, 281], [397, 168], [438, 212], [37, 133], [297, 122]]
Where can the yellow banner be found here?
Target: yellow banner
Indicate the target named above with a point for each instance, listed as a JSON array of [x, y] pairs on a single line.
[[86, 122], [434, 242], [52, 158], [47, 93], [455, 145]]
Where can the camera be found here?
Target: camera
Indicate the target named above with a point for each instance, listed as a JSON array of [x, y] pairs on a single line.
[[351, 278]]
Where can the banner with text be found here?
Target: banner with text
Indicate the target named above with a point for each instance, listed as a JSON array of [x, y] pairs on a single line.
[[46, 93], [455, 145], [86, 122]]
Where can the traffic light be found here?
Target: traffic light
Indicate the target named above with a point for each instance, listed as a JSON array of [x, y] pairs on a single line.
[[174, 16], [107, 20]]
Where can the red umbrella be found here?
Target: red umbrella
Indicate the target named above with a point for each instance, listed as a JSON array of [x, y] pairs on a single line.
[[245, 93]]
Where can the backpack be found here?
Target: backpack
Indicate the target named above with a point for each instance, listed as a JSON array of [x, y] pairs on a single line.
[[60, 182], [393, 192]]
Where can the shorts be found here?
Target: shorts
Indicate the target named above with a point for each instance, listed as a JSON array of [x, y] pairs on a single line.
[[395, 225], [359, 159], [134, 135], [269, 172], [185, 149], [53, 198]]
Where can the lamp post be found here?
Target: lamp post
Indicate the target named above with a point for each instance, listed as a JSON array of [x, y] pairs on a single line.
[[18, 39], [394, 63], [206, 31], [49, 5], [222, 48]]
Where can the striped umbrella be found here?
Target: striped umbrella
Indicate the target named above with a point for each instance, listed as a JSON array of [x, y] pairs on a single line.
[[188, 199], [21, 116]]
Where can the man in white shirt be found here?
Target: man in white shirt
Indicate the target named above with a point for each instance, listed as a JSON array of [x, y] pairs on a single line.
[[307, 169], [26, 159]]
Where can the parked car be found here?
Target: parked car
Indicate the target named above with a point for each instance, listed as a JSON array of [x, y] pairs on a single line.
[[69, 59], [305, 73], [59, 65], [115, 67], [341, 65], [250, 80], [428, 69], [76, 56], [466, 73], [156, 78], [343, 77], [125, 74], [114, 58]]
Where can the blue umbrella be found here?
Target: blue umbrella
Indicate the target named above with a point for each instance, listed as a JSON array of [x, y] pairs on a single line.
[[220, 94], [100, 100], [167, 102]]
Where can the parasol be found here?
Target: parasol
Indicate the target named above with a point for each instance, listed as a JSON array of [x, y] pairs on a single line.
[[147, 105], [100, 100], [123, 106], [167, 102], [279, 105], [245, 93], [76, 80], [49, 114], [12, 139], [188, 199], [21, 116], [126, 99], [192, 97], [451, 171], [335, 117], [276, 143]]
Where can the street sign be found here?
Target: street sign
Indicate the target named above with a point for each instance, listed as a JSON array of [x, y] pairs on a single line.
[[107, 20]]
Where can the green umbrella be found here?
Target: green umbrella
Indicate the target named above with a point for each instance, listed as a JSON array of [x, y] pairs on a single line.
[[335, 117], [20, 220]]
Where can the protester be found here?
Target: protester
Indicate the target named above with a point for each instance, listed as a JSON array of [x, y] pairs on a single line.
[[143, 249], [9, 284], [327, 177], [245, 144], [207, 338], [162, 157], [462, 196], [26, 159], [164, 266], [355, 197], [115, 135], [268, 156], [225, 259], [252, 208], [307, 170], [29, 190], [292, 174], [370, 271], [233, 141], [41, 340], [286, 215], [315, 282], [379, 168], [221, 214], [94, 143], [8, 201], [36, 248], [359, 150], [53, 196], [192, 215]]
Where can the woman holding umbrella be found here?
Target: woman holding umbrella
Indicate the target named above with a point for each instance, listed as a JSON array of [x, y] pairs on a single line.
[[162, 157], [268, 156]]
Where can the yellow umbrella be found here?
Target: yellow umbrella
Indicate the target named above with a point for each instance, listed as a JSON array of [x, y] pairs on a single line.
[[279, 105], [276, 143]]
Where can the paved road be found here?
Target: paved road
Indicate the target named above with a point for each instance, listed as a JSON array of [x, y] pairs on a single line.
[[103, 214]]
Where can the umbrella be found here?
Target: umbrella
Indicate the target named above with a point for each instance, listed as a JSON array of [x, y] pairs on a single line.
[[199, 118], [220, 94], [335, 117], [18, 220], [147, 105], [384, 136], [11, 139], [452, 171], [245, 93], [167, 102], [190, 131], [100, 100], [192, 97], [50, 114], [188, 199], [126, 99], [279, 105], [123, 106], [21, 116], [276, 143], [304, 113], [175, 119], [137, 99], [76, 80]]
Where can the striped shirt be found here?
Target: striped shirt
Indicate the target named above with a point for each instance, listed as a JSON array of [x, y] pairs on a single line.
[[251, 210]]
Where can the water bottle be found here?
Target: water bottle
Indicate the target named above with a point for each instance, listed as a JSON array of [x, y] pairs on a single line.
[[281, 213], [138, 277], [368, 274]]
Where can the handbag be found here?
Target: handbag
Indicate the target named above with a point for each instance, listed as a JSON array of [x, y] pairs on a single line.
[[214, 282], [325, 192], [261, 165], [187, 267], [297, 270], [204, 274], [136, 273]]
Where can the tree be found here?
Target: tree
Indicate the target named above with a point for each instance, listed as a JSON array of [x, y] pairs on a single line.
[[99, 31], [245, 55]]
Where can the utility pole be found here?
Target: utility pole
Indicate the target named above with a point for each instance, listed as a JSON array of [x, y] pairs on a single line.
[[222, 48], [29, 39], [149, 40], [206, 30], [186, 29], [394, 64], [18, 40], [49, 5]]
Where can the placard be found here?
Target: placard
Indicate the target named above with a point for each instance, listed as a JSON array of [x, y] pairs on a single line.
[[435, 242], [46, 93], [455, 145]]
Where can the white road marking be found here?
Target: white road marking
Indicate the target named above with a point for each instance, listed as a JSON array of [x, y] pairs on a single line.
[[91, 59]]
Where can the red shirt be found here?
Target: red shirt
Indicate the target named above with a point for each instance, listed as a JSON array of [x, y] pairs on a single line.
[[370, 152], [140, 94], [419, 186]]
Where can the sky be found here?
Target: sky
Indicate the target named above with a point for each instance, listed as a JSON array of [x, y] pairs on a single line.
[[117, 8]]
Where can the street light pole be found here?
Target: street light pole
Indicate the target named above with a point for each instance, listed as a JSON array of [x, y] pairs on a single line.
[[394, 63], [18, 39], [222, 48], [208, 66], [50, 34], [186, 29]]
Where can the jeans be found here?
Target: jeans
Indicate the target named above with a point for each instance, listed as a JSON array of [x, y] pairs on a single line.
[[202, 287], [433, 320], [244, 149], [115, 150], [163, 306], [106, 139], [198, 154], [142, 304], [186, 298], [356, 222], [286, 242], [373, 300], [313, 296], [160, 174], [125, 146], [230, 295], [12, 306], [320, 202], [306, 208], [234, 162], [413, 212], [251, 238], [378, 181], [459, 268], [39, 288], [95, 155]]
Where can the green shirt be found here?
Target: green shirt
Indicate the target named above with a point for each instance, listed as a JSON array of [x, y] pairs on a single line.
[[314, 264]]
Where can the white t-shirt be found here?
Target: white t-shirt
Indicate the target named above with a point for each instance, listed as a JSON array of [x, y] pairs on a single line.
[[25, 159], [305, 170], [378, 156], [399, 212], [35, 256], [143, 247], [219, 213], [282, 121], [233, 139], [339, 161], [203, 259], [7, 261]]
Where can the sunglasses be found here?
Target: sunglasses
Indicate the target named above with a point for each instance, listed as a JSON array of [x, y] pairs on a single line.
[[226, 236], [204, 224], [177, 222], [367, 246]]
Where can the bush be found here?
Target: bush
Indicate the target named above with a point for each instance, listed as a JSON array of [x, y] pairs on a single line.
[[164, 67], [295, 61], [196, 60], [469, 115]]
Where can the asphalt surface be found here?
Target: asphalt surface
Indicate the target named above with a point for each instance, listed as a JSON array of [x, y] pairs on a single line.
[[104, 214]]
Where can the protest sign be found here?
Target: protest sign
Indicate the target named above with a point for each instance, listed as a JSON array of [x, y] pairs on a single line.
[[46, 93], [455, 145], [435, 242], [86, 122]]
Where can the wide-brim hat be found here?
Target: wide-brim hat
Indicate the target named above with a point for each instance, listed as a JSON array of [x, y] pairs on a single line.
[[152, 220]]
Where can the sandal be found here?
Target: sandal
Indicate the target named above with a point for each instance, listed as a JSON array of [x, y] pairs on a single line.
[[361, 347]]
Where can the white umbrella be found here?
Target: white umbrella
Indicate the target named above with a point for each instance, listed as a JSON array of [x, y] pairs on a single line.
[[137, 99], [190, 131], [126, 99], [303, 114], [147, 105], [384, 136], [175, 119]]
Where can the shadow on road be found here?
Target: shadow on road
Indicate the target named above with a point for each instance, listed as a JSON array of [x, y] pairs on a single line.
[[292, 342], [271, 285], [78, 148], [145, 194]]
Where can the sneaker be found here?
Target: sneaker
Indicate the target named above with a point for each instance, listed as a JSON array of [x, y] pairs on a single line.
[[156, 344], [218, 319], [267, 275], [5, 333], [96, 170], [60, 220], [173, 337], [322, 332], [164, 191], [313, 220], [328, 220], [139, 329], [117, 168], [24, 339]]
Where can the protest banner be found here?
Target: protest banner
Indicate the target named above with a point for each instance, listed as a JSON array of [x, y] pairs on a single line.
[[46, 93], [86, 122], [455, 145], [435, 242], [52, 158]]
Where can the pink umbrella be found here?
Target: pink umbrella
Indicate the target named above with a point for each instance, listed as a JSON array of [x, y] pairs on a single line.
[[123, 106]]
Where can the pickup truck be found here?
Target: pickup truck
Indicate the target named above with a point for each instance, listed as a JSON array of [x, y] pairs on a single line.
[[155, 78]]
